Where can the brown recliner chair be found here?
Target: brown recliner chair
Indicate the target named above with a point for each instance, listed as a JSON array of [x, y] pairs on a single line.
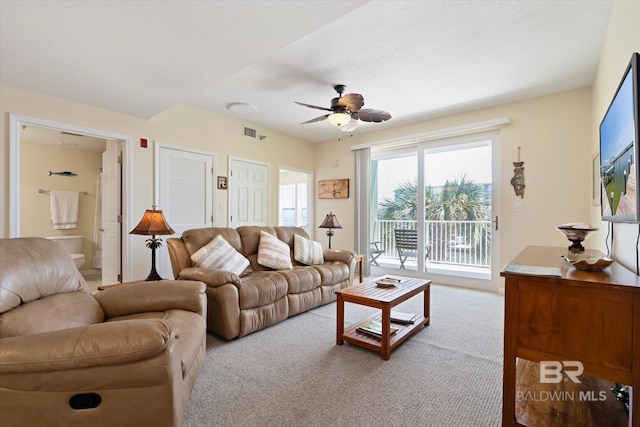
[[128, 356]]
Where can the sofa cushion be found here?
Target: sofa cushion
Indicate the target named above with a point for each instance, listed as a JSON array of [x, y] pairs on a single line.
[[261, 288], [219, 254], [332, 272], [273, 253], [306, 251]]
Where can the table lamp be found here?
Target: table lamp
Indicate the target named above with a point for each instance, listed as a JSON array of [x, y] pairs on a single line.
[[152, 224], [330, 222]]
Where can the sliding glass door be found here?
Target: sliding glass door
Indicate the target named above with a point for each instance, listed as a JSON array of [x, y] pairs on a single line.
[[434, 208]]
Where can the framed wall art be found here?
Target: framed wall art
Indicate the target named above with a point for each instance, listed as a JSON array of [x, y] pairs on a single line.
[[222, 183], [333, 189]]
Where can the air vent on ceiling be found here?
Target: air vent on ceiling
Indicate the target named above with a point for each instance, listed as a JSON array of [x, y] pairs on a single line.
[[70, 133], [251, 133]]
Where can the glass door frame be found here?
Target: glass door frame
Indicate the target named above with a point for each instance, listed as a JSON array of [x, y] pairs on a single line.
[[487, 282]]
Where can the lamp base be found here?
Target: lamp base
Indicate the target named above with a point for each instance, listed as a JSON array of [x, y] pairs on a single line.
[[153, 276]]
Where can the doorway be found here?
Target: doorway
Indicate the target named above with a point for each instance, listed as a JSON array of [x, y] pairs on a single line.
[[295, 198], [117, 269]]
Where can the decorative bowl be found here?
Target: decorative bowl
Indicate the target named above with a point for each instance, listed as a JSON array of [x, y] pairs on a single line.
[[587, 262], [576, 234], [387, 282]]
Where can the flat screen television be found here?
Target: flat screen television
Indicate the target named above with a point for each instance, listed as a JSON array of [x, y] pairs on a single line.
[[619, 149]]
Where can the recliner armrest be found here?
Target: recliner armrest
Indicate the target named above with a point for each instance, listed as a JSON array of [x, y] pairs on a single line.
[[143, 297], [210, 276], [100, 344], [338, 255]]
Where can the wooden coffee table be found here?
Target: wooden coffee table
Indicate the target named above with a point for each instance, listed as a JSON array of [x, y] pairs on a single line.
[[385, 299]]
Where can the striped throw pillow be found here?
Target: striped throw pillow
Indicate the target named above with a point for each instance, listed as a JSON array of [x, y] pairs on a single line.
[[219, 254], [307, 251], [273, 252]]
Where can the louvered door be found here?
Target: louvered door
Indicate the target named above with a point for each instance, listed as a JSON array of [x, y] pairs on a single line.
[[184, 193]]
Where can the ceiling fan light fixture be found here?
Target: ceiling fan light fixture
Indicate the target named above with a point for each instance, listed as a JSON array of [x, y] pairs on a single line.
[[339, 119], [350, 126]]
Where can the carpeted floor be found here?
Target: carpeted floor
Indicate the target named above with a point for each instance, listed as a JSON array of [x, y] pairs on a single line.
[[293, 374]]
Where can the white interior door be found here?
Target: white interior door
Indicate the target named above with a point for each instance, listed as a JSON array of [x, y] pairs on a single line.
[[185, 193], [248, 193], [111, 214]]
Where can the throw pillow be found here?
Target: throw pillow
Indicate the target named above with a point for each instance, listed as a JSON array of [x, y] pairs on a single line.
[[273, 252], [307, 251], [219, 254]]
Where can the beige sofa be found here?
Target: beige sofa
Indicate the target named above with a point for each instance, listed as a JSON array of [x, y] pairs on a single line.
[[128, 356], [239, 304]]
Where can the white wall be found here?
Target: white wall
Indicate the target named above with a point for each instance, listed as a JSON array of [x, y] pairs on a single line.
[[554, 135], [180, 125], [623, 38]]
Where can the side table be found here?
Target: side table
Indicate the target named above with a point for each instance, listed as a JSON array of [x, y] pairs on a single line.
[[360, 261]]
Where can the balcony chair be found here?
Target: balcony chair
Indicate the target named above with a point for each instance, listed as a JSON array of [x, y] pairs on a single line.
[[375, 252], [407, 245], [126, 356]]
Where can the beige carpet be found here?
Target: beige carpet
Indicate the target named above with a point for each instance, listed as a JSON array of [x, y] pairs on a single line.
[[293, 374]]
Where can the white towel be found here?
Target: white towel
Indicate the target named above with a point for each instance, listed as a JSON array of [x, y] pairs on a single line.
[[64, 209]]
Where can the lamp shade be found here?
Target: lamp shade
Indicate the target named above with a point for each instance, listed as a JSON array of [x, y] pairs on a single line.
[[339, 119], [330, 221], [152, 223]]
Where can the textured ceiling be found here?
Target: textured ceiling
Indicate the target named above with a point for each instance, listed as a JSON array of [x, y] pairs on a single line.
[[414, 59]]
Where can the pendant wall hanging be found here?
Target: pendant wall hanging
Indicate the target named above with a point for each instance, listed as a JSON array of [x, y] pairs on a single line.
[[518, 176]]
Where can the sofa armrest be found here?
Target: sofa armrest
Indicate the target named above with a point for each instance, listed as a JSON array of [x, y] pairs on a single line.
[[210, 276], [144, 297], [100, 344], [339, 255]]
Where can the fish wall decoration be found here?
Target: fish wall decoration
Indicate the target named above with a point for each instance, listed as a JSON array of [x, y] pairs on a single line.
[[64, 173]]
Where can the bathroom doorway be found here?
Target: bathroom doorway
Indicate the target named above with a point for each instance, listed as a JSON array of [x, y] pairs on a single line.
[[48, 156]]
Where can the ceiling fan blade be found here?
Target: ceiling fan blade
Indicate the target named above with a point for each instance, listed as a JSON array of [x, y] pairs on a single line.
[[353, 101], [317, 119], [370, 115], [313, 106]]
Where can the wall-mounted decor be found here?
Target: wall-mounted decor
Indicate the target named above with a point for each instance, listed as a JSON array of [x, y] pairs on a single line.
[[333, 189], [222, 183], [518, 177]]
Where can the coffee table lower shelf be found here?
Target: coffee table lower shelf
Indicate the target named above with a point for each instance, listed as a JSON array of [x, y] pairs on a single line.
[[353, 336]]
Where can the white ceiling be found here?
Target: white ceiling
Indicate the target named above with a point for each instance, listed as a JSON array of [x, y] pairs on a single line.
[[414, 59]]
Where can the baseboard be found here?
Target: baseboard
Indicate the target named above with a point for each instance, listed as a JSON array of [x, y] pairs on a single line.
[[91, 272]]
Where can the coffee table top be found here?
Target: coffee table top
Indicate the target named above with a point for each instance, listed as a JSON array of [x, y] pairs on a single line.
[[371, 291]]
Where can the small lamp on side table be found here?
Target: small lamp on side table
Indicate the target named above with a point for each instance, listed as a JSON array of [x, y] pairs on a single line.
[[152, 224], [330, 222]]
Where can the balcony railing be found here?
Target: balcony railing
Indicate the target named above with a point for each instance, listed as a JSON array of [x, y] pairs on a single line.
[[462, 243]]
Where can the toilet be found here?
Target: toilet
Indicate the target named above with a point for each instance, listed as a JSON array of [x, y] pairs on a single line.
[[73, 246]]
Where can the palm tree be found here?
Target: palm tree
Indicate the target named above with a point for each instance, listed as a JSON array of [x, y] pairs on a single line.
[[459, 199]]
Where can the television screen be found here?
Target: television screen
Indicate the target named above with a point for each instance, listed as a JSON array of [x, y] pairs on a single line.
[[619, 140]]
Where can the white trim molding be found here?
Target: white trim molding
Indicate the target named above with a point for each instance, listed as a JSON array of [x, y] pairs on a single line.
[[435, 134]]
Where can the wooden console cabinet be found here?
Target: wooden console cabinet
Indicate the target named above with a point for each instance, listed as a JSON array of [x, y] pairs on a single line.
[[590, 317]]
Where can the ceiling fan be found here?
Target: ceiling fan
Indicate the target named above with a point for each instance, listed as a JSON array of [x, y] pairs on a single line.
[[346, 110]]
